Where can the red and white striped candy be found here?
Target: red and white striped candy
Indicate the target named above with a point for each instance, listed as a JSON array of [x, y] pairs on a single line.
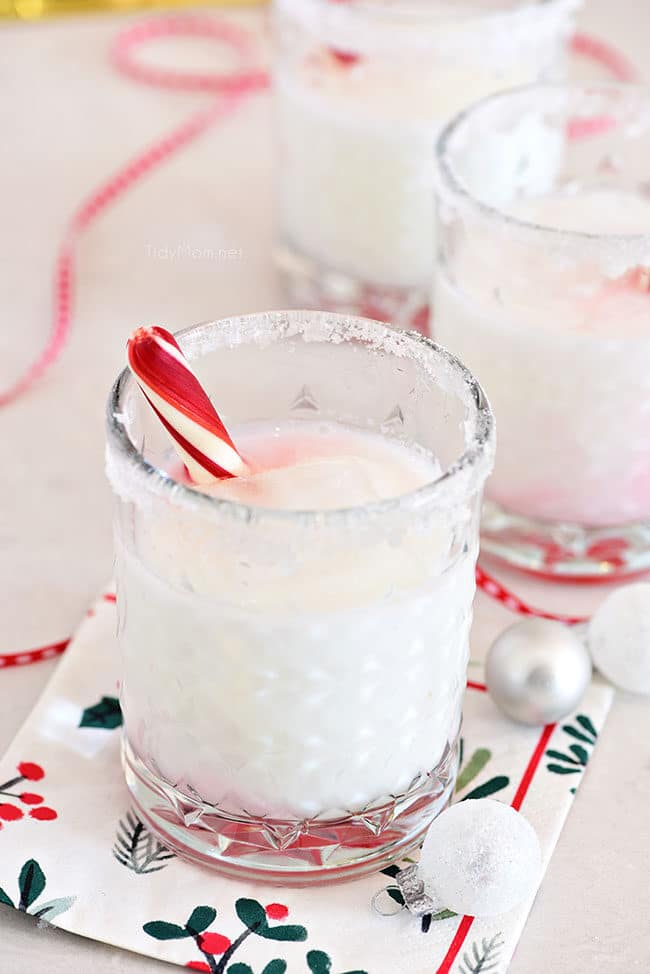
[[182, 406], [638, 279]]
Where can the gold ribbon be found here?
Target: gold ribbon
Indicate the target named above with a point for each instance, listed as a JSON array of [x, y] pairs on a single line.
[[36, 9]]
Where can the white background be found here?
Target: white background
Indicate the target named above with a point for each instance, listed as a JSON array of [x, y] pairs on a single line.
[[67, 121]]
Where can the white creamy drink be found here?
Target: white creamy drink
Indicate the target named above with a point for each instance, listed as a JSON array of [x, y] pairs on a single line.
[[542, 284], [568, 371], [361, 91], [327, 696], [294, 637]]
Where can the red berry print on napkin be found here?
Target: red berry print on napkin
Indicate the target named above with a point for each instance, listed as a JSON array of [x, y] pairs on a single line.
[[33, 772], [9, 813], [276, 911], [43, 814], [254, 918], [213, 943], [29, 798], [12, 812]]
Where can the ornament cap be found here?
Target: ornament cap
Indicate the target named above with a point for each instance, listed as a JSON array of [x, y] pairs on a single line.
[[411, 887]]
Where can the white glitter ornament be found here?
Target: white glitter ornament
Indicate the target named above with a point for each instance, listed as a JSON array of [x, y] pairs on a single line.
[[480, 857], [619, 637], [537, 671]]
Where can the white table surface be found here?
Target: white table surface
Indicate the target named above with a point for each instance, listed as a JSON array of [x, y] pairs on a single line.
[[67, 120]]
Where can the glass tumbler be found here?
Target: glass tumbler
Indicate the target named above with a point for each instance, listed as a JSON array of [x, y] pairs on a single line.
[[542, 286], [361, 89], [292, 681]]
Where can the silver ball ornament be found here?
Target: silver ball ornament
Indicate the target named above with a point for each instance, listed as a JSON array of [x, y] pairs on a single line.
[[537, 671]]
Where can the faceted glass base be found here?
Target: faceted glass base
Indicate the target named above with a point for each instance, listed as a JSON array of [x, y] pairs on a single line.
[[565, 551], [291, 852], [310, 284]]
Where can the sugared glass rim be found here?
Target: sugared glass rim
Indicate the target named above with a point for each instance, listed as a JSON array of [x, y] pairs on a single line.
[[462, 478], [506, 16], [451, 187], [371, 28]]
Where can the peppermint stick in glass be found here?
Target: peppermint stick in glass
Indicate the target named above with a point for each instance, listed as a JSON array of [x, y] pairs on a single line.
[[182, 406]]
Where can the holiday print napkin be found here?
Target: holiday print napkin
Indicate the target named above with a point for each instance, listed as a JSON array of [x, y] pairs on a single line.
[[74, 853]]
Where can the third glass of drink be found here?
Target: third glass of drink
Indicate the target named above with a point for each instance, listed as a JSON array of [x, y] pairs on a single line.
[[543, 288], [294, 642]]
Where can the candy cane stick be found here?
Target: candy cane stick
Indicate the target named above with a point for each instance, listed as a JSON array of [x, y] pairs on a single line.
[[183, 407], [636, 279]]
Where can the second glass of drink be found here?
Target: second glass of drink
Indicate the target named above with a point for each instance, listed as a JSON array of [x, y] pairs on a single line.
[[361, 88]]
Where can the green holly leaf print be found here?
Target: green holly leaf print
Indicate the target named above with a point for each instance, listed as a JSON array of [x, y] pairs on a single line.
[[318, 962], [488, 787], [31, 883], [275, 967], [472, 769], [443, 915], [53, 908], [200, 919], [252, 915], [580, 753], [578, 757], [483, 958], [474, 766], [239, 969], [287, 931], [559, 756], [161, 930], [584, 721], [106, 714], [136, 848], [6, 899], [579, 736]]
